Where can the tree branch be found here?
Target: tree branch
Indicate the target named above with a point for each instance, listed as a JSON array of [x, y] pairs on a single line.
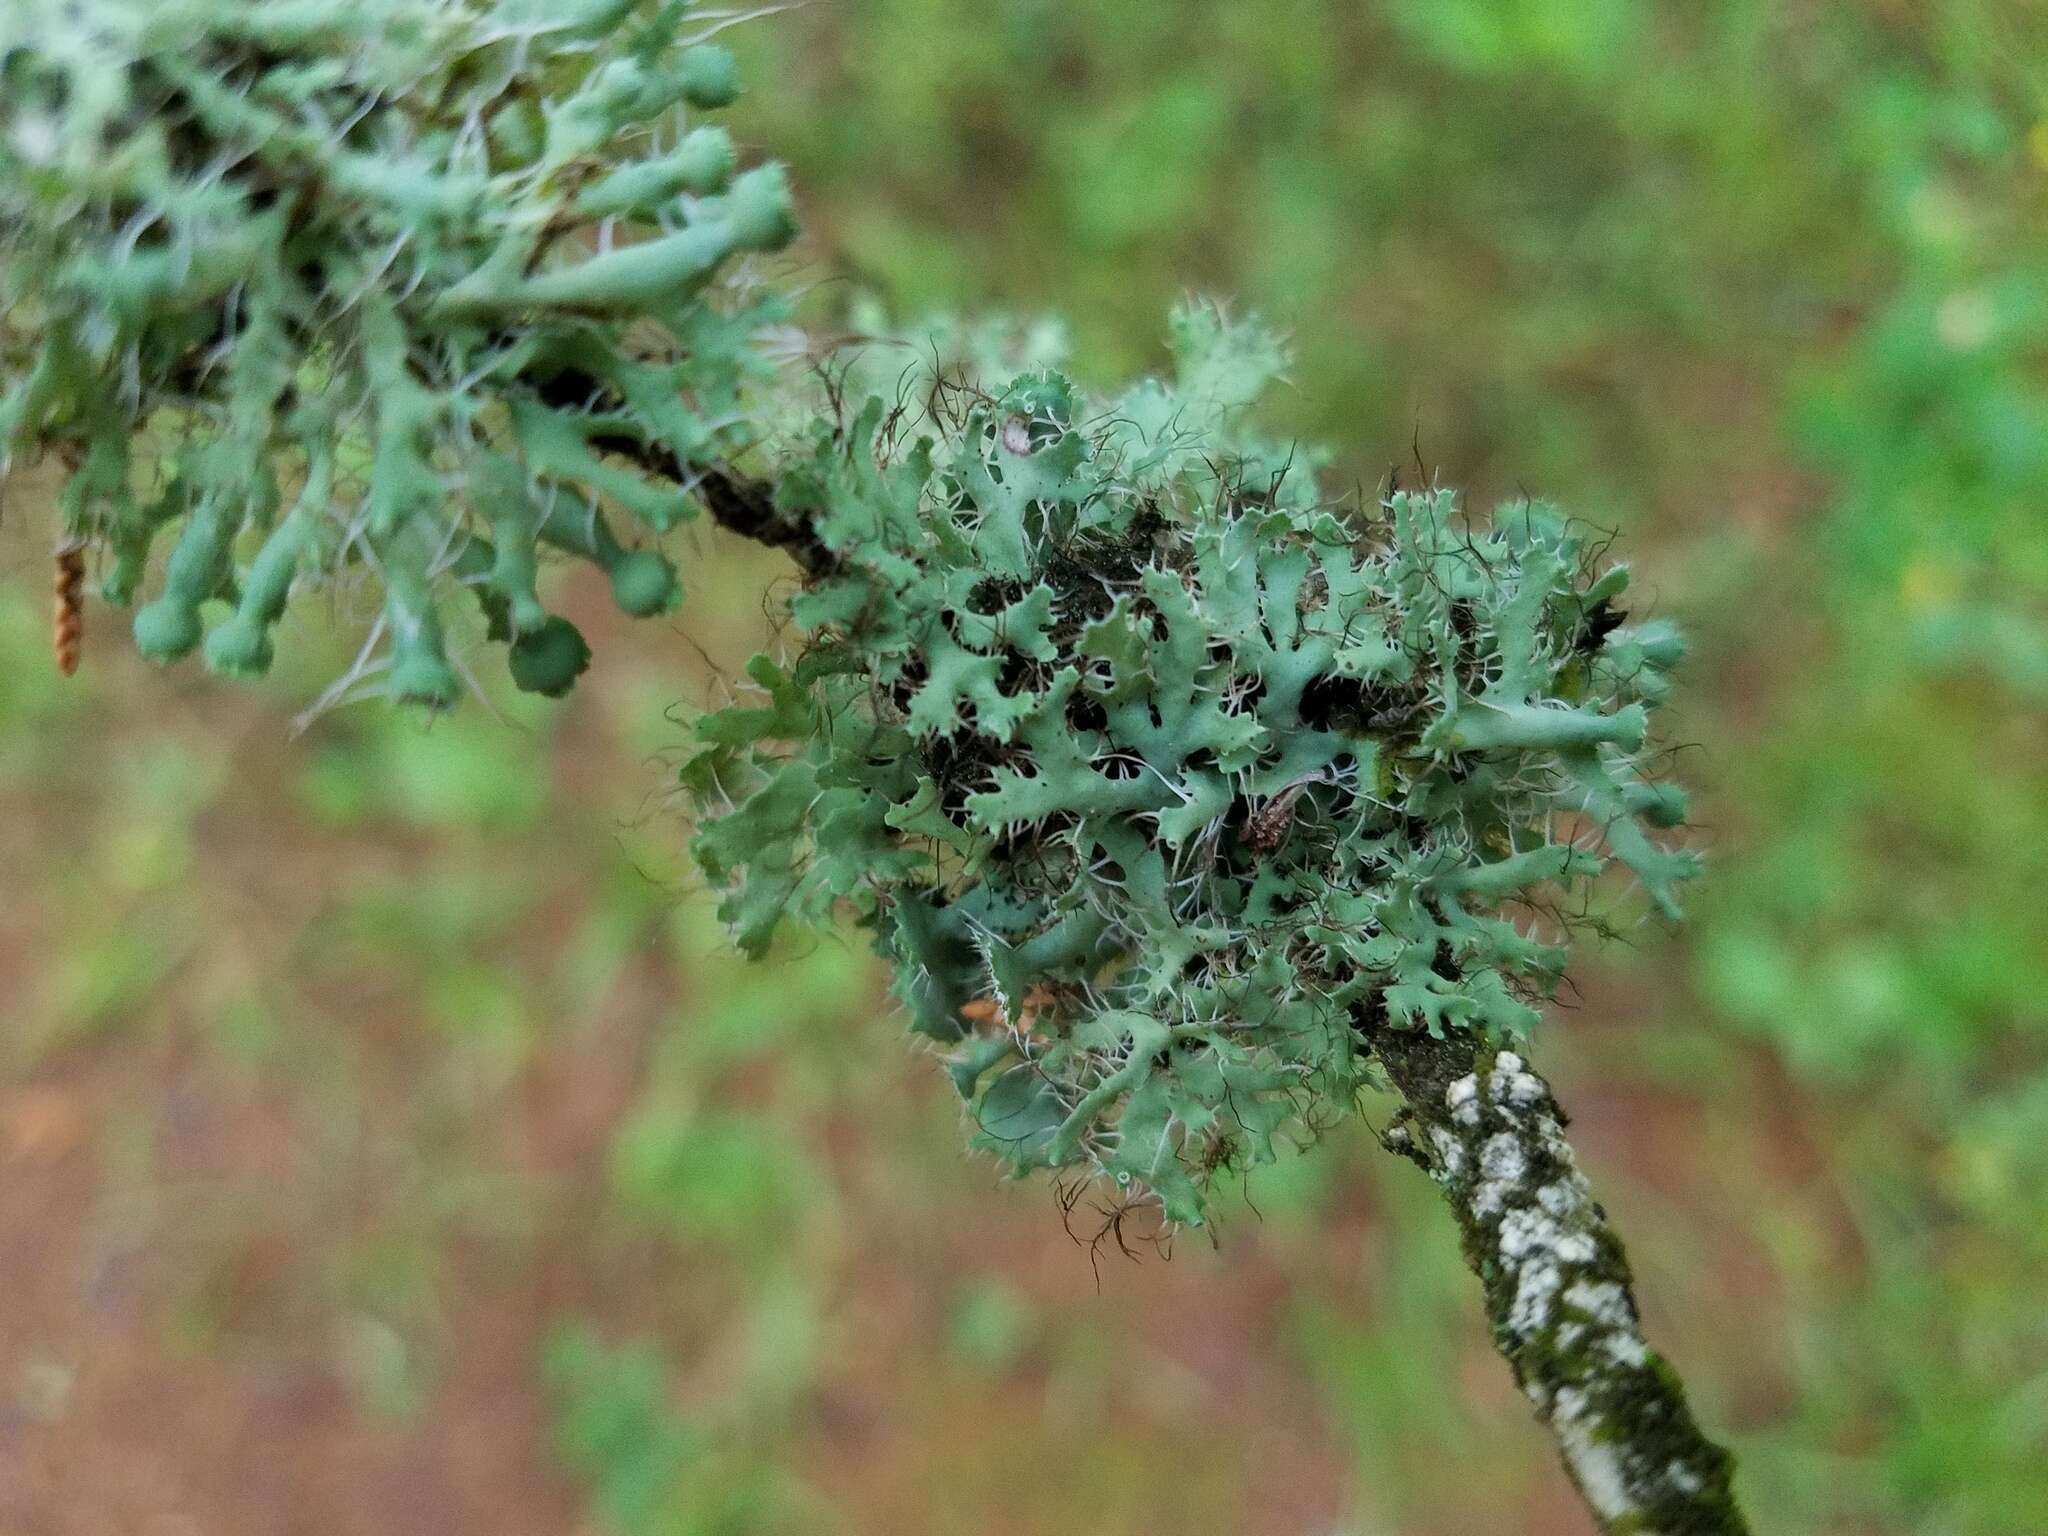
[[735, 501], [1558, 1291], [747, 507]]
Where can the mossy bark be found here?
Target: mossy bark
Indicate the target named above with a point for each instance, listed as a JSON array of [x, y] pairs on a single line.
[[1558, 1293]]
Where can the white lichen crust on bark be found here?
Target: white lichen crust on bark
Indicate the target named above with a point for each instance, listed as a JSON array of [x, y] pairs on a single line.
[[1558, 1291]]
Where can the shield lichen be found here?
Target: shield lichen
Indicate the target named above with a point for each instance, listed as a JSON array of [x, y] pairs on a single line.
[[1105, 707]]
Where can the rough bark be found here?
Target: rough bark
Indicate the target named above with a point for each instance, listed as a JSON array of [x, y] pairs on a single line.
[[1559, 1298]]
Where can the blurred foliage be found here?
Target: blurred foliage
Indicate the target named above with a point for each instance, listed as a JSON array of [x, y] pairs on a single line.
[[1764, 286]]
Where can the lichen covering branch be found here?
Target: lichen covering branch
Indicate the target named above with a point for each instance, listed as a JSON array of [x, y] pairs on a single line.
[[371, 295], [1186, 801], [1102, 714], [1559, 1297]]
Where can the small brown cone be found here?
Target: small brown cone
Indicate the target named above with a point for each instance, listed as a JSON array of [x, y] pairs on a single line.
[[67, 631]]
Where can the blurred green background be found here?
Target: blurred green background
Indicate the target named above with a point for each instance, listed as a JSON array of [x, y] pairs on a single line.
[[388, 1145]]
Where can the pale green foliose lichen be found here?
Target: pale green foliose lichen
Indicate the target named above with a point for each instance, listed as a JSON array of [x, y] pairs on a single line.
[[371, 286], [1166, 783]]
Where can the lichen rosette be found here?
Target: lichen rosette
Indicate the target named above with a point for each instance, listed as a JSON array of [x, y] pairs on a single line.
[[1163, 782]]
